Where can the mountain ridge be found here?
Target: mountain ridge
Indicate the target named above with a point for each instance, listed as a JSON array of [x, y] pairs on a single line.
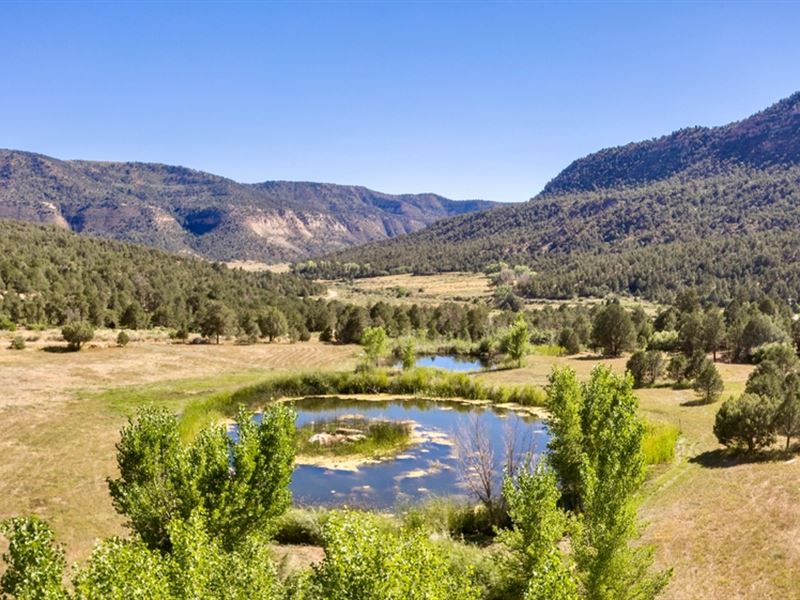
[[603, 223], [188, 211]]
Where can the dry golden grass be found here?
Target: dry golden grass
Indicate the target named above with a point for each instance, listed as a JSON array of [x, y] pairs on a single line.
[[420, 289], [58, 428]]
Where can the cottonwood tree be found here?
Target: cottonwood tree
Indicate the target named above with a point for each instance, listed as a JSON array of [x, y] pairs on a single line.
[[374, 341], [240, 486], [596, 450], [535, 569], [518, 341]]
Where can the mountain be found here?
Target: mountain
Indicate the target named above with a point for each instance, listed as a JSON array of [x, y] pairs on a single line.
[[182, 210], [715, 207]]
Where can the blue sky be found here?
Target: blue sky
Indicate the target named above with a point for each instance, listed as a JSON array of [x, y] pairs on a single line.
[[470, 100]]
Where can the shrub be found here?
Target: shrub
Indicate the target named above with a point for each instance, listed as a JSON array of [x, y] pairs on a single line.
[[77, 333], [18, 343], [365, 562], [122, 339], [746, 421], [6, 324], [645, 367], [301, 526]]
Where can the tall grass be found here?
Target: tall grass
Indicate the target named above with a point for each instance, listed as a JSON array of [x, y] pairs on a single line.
[[429, 383], [659, 441]]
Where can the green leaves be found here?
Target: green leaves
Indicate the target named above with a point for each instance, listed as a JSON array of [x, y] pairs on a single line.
[[366, 561], [596, 450], [240, 487], [35, 564]]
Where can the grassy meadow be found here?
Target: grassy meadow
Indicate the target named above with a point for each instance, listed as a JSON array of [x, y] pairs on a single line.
[[730, 528]]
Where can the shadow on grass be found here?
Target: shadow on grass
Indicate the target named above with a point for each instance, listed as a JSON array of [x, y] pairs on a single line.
[[696, 402], [723, 459], [58, 349]]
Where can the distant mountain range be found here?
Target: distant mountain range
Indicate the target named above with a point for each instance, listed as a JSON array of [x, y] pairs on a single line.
[[715, 207], [192, 212]]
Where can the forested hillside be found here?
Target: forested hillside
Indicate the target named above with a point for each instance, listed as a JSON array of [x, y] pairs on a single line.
[[50, 276], [191, 212], [716, 208]]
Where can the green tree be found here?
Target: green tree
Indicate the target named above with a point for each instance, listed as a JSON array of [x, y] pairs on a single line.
[[134, 317], [272, 323], [612, 330], [569, 340], [215, 319], [517, 341], [611, 472], [34, 563], [374, 341], [564, 404], [787, 415], [77, 333], [408, 354], [713, 332], [676, 369], [351, 324], [746, 421], [708, 383], [535, 568], [240, 486]]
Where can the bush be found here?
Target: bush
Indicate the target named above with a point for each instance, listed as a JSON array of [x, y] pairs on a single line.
[[746, 422], [122, 339], [301, 526], [449, 517], [364, 561], [645, 367], [18, 343], [7, 324], [77, 333]]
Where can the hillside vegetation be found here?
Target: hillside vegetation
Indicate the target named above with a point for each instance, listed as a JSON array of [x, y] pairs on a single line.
[[192, 212], [51, 276], [714, 208]]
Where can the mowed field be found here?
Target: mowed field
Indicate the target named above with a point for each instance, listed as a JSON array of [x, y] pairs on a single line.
[[729, 528], [60, 415]]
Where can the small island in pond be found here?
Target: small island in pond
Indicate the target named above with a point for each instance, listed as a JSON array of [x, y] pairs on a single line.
[[353, 436]]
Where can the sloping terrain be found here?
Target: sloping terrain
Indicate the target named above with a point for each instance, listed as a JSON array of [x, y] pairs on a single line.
[[187, 211], [716, 207]]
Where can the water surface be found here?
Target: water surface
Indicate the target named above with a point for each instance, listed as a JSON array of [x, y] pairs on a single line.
[[451, 363], [428, 468]]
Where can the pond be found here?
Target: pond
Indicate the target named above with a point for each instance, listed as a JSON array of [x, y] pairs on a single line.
[[428, 467], [450, 363]]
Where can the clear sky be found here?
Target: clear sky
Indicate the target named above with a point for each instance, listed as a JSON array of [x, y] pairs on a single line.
[[470, 100]]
